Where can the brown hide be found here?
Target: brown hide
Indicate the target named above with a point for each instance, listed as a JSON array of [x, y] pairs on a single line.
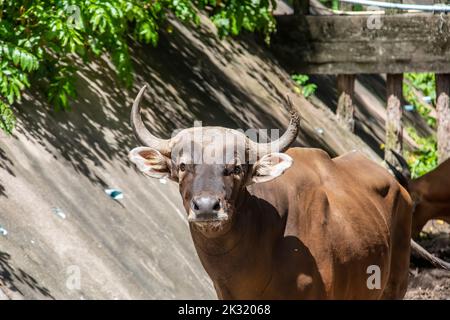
[[313, 232], [431, 195]]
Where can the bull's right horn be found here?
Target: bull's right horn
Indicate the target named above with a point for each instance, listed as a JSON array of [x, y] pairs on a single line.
[[283, 143], [405, 168], [140, 131]]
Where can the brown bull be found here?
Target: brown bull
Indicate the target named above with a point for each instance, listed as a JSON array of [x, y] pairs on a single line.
[[294, 225], [430, 193]]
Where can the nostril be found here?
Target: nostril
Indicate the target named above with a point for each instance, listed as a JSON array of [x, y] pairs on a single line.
[[195, 206], [205, 205], [216, 206]]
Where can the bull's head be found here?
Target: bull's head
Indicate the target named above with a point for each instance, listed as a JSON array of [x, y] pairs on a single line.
[[212, 165]]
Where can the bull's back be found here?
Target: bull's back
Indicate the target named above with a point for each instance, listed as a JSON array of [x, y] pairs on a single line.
[[432, 192], [344, 211]]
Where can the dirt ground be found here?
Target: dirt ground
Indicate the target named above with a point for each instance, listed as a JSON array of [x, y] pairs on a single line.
[[428, 283]]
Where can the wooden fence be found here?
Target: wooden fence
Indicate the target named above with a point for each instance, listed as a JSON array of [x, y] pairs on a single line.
[[390, 43]]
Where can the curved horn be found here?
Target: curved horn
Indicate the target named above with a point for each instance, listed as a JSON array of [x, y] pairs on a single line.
[[402, 161], [399, 176], [140, 131], [286, 139]]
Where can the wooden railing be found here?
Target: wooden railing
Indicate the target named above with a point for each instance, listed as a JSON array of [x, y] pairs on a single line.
[[349, 45]]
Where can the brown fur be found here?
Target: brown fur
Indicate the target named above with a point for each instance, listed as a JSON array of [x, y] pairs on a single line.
[[431, 195], [312, 232]]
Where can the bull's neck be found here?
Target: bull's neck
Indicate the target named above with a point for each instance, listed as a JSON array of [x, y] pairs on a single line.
[[239, 248]]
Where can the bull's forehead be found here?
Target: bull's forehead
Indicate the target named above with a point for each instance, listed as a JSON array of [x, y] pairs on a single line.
[[209, 145]]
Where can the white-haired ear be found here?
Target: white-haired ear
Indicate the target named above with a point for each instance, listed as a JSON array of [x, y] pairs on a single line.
[[270, 166], [150, 162]]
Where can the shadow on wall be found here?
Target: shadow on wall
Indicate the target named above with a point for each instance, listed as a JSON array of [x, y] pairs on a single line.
[[10, 276], [185, 85], [367, 126], [6, 164]]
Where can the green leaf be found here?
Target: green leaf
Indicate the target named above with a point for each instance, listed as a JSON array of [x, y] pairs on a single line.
[[38, 39], [7, 119]]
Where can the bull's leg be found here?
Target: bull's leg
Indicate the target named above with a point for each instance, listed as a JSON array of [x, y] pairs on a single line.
[[400, 253]]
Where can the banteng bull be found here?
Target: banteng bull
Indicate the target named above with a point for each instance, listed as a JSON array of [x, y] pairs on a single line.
[[430, 193], [294, 225]]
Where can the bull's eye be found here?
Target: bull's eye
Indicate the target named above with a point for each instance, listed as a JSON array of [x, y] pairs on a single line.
[[237, 170], [182, 167]]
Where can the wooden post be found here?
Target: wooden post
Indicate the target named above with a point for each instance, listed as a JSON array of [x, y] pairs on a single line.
[[394, 130], [300, 7], [443, 116], [345, 108]]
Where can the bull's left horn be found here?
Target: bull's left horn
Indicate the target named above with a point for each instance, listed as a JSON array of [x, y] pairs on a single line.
[[140, 131], [286, 139]]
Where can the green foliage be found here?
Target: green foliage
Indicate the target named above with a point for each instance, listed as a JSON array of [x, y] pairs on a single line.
[[7, 119], [40, 39], [305, 88], [333, 4], [233, 16], [425, 158], [424, 82]]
